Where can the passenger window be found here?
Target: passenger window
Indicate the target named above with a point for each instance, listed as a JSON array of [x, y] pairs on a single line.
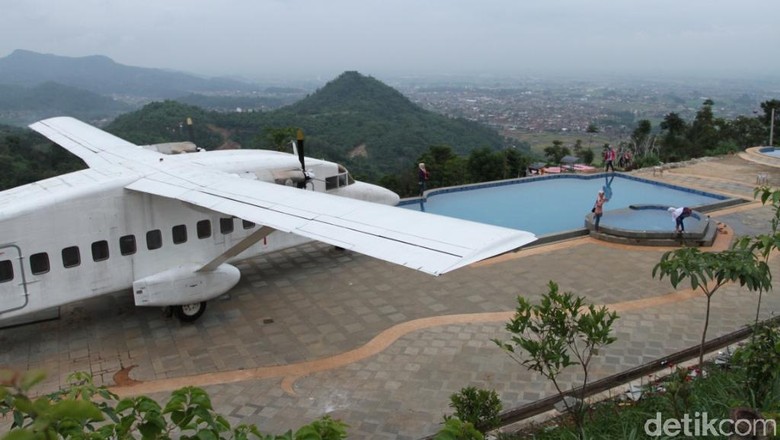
[[39, 263], [100, 250], [154, 239], [6, 271], [247, 225], [71, 256], [204, 229], [127, 244], [226, 225], [179, 233]]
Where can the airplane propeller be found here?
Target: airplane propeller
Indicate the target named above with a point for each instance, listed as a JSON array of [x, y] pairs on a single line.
[[301, 155]]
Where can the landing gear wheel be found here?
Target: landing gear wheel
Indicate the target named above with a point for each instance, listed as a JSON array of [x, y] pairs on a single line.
[[190, 312]]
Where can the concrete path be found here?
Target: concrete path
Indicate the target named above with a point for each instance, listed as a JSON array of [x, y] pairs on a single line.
[[314, 331]]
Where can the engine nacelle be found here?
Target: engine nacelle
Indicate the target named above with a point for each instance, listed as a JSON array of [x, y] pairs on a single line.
[[183, 285]]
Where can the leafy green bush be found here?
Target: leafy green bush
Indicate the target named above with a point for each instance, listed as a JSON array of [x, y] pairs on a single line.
[[476, 406], [84, 411], [648, 160], [456, 429], [760, 359], [724, 147]]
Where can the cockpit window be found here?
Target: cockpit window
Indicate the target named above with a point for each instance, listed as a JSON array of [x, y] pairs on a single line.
[[343, 178]]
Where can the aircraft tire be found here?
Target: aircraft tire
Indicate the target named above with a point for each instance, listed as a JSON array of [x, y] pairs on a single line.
[[190, 312]]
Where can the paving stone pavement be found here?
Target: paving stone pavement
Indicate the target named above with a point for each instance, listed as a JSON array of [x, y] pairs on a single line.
[[430, 336]]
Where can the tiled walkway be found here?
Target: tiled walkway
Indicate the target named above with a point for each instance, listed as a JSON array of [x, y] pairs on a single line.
[[314, 331]]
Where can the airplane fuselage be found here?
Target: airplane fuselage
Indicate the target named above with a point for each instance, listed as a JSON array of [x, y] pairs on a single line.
[[84, 234]]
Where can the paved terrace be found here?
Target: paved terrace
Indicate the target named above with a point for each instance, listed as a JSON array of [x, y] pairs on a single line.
[[314, 331]]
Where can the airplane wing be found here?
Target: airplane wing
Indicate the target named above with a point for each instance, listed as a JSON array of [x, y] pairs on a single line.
[[99, 149], [429, 243]]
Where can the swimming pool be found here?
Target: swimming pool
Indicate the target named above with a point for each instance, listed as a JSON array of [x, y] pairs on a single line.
[[770, 151], [554, 204]]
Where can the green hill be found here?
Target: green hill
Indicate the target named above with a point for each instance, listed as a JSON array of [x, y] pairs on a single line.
[[356, 120], [24, 105]]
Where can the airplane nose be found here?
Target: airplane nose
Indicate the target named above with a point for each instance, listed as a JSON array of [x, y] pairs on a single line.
[[384, 195]]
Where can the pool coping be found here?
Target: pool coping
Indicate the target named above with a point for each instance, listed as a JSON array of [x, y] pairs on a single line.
[[700, 233], [756, 155], [581, 176]]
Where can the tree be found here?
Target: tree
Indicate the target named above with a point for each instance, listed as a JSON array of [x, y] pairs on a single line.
[[591, 130], [675, 142], [556, 152], [559, 332], [764, 244], [641, 133], [279, 138], [585, 155], [745, 132], [768, 107], [515, 163], [703, 134], [709, 271], [485, 165], [446, 167]]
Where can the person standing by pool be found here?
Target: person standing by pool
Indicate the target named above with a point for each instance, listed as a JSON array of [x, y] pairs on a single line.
[[422, 177], [598, 209], [679, 214], [609, 158]]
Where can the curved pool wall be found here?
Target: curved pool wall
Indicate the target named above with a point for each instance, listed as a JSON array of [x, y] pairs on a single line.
[[770, 151], [720, 202], [648, 225]]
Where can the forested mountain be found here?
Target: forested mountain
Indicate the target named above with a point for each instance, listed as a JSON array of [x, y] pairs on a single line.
[[354, 119], [24, 105], [26, 157], [100, 74]]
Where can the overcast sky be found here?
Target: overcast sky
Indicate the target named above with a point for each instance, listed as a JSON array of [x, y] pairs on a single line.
[[313, 38]]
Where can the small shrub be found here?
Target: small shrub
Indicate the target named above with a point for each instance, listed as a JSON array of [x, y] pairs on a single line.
[[760, 360], [456, 429], [648, 160], [85, 411], [476, 406]]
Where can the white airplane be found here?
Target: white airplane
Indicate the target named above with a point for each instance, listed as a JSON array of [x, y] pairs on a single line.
[[169, 226]]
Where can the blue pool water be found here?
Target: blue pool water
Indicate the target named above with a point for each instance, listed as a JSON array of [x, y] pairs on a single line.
[[653, 220], [770, 151], [554, 204]]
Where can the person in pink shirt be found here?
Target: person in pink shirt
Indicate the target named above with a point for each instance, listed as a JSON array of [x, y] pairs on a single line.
[[609, 158]]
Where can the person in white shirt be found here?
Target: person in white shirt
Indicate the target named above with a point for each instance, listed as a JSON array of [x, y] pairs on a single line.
[[679, 214]]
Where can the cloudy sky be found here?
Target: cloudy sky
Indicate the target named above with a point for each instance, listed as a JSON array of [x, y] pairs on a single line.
[[310, 38]]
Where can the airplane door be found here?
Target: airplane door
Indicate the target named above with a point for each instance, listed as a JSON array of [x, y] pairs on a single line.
[[13, 287]]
